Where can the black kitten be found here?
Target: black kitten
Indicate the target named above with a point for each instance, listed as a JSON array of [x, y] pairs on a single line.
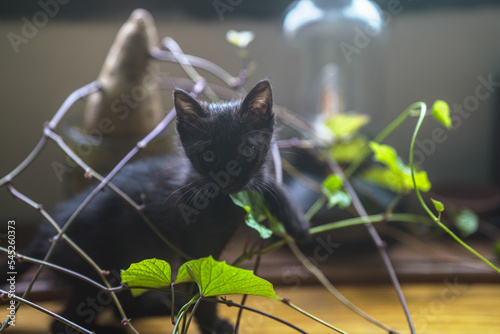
[[227, 146]]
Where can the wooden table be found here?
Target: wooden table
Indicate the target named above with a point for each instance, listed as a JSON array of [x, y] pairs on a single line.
[[445, 307], [447, 290]]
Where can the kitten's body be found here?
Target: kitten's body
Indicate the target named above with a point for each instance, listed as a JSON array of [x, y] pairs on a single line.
[[186, 198]]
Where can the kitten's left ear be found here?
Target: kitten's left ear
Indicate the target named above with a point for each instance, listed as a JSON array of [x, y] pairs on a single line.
[[186, 106], [190, 115], [258, 104]]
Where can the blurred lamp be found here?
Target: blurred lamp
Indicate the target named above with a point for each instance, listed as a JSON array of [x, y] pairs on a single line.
[[336, 39]]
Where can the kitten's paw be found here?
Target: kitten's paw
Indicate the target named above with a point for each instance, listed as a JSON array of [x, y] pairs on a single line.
[[220, 326]]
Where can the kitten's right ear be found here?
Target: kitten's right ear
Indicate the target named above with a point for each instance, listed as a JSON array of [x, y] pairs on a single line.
[[257, 107], [186, 107]]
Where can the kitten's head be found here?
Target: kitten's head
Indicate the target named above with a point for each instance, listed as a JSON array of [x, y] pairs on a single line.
[[227, 142]]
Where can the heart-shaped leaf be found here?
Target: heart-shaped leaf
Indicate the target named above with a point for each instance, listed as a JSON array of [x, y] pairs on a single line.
[[343, 125], [253, 203], [152, 273], [438, 205], [348, 150], [216, 278], [441, 113], [396, 175], [333, 190]]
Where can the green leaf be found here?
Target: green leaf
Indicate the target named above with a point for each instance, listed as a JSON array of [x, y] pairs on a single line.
[[152, 273], [253, 203], [332, 189], [332, 183], [438, 205], [421, 179], [441, 113], [240, 39], [396, 181], [385, 178], [340, 198], [215, 278], [467, 222], [396, 176], [343, 125], [385, 154], [347, 151]]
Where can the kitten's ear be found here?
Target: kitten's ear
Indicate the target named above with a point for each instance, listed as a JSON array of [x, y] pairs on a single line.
[[187, 107], [190, 114], [258, 105]]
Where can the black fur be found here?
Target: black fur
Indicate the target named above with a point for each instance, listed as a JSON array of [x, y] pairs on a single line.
[[227, 149]]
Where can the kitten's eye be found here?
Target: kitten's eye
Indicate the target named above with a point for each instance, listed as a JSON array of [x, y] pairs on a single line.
[[208, 156], [248, 151]]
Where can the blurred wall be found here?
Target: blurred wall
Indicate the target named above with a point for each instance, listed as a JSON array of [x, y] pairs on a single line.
[[427, 55]]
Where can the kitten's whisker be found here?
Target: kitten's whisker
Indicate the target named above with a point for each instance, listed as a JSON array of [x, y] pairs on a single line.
[[176, 191], [170, 166], [262, 187], [195, 192]]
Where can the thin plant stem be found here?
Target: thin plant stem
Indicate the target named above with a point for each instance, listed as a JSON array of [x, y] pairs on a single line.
[[99, 271], [187, 84], [200, 85], [89, 171], [329, 286], [301, 178], [251, 309], [395, 217], [70, 100], [40, 209], [66, 271], [25, 163], [183, 311], [380, 244], [314, 209], [190, 60], [268, 249], [315, 271], [44, 310], [240, 313], [66, 105], [204, 64], [394, 203], [193, 311], [140, 145], [296, 122], [278, 170], [351, 169], [181, 58], [296, 143], [437, 220], [379, 218], [307, 314], [172, 313], [244, 299]]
